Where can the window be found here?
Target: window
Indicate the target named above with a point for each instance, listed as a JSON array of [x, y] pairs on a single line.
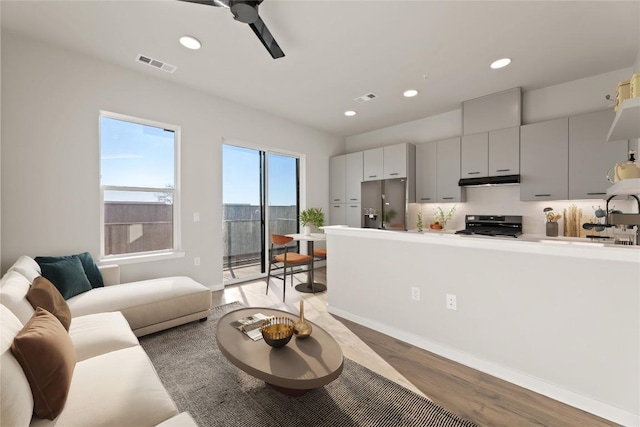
[[139, 186]]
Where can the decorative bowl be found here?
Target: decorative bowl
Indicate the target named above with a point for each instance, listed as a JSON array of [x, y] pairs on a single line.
[[277, 331]]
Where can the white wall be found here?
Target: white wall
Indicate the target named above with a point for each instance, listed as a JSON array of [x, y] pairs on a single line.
[[50, 159]]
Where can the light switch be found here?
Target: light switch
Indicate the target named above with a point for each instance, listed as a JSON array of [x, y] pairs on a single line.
[[196, 216]]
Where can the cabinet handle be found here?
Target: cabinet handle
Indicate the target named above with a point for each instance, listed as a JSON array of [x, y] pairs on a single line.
[[353, 206], [336, 200], [337, 206], [542, 195], [447, 198], [373, 176], [473, 173], [353, 199], [425, 198], [393, 174], [595, 194], [503, 170]]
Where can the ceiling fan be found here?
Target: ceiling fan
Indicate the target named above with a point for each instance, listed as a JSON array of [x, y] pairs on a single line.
[[246, 11]]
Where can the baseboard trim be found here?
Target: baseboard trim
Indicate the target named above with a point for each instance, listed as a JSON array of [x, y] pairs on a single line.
[[535, 384]]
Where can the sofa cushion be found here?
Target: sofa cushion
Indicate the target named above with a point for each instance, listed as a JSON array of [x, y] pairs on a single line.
[[45, 352], [13, 290], [67, 275], [43, 294], [120, 388], [27, 267], [100, 333], [146, 302], [88, 265], [16, 401]]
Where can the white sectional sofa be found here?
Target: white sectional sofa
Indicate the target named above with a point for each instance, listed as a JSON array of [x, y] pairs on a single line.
[[113, 383]]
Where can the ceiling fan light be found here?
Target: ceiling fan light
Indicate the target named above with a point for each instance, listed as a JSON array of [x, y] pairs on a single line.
[[190, 42], [500, 63]]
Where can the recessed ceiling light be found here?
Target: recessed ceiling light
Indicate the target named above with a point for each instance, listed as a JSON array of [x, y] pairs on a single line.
[[350, 113], [190, 42], [500, 63], [410, 93]]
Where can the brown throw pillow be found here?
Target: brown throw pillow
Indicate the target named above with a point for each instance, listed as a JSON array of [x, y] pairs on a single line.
[[45, 352], [43, 294]]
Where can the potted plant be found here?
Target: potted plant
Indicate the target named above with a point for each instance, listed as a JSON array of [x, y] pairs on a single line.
[[440, 218], [311, 216]]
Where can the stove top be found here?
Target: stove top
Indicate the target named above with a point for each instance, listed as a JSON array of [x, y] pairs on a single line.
[[492, 225]]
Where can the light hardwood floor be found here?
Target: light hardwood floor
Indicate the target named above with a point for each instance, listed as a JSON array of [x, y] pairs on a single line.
[[476, 396]]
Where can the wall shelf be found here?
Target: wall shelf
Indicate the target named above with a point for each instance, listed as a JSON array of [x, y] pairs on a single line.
[[626, 124]]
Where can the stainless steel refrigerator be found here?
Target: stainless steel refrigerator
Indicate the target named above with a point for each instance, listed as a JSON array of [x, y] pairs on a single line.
[[384, 204]]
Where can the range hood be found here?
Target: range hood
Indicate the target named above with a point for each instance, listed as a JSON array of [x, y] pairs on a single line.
[[489, 180]]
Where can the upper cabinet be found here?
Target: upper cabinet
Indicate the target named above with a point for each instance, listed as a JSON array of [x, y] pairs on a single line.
[[504, 152], [337, 179], [354, 176], [426, 172], [373, 164], [395, 161], [475, 155], [544, 160], [496, 111], [591, 156], [495, 153], [448, 171]]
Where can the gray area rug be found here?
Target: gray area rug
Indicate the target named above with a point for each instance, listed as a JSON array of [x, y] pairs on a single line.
[[202, 382]]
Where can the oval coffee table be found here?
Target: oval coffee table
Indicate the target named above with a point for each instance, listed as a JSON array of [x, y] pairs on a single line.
[[294, 369]]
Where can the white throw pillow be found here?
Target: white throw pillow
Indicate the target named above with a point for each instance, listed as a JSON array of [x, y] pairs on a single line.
[[16, 401], [28, 267], [13, 294]]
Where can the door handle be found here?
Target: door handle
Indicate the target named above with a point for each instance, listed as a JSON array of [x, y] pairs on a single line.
[[595, 194], [542, 195], [373, 176], [447, 198], [473, 173], [425, 198], [503, 170], [393, 174]]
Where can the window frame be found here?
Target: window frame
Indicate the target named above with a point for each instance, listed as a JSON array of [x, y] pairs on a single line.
[[176, 250]]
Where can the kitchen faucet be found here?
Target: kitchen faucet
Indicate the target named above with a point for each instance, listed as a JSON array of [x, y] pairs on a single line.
[[625, 219]]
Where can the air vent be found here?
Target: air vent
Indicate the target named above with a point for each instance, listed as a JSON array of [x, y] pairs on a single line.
[[365, 98], [157, 64]]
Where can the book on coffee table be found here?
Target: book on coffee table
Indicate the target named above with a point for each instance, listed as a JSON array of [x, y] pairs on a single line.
[[250, 325]]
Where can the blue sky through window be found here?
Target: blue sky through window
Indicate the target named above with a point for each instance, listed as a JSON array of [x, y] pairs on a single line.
[[135, 155], [241, 177]]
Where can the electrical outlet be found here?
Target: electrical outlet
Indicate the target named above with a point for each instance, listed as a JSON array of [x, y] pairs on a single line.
[[452, 303], [415, 293], [196, 216], [196, 261]]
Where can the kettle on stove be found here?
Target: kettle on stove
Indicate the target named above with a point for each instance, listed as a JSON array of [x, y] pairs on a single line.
[[624, 170]]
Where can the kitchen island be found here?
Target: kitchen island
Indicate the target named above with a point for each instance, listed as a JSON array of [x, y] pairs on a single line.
[[558, 317]]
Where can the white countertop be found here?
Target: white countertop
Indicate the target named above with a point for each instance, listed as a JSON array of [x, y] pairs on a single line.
[[527, 243]]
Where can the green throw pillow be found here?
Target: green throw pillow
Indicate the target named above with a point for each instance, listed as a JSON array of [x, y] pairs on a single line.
[[67, 275], [89, 266]]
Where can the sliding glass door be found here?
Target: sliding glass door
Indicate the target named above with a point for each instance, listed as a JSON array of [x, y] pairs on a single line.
[[260, 196]]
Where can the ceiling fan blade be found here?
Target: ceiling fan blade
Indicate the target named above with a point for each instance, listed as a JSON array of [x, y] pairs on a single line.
[[219, 3], [266, 38]]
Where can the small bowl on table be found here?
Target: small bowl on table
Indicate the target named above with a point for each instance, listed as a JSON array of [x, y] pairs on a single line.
[[277, 331]]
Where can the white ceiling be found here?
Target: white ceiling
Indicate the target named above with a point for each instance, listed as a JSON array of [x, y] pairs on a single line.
[[339, 50]]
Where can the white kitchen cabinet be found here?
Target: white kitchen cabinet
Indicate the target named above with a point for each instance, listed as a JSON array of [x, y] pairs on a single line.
[[353, 215], [354, 175], [504, 152], [426, 172], [591, 156], [544, 160], [337, 179], [448, 171], [475, 155], [337, 214], [395, 161], [373, 164]]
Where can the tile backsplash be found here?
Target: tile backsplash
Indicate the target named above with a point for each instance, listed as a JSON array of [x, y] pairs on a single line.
[[505, 200]]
